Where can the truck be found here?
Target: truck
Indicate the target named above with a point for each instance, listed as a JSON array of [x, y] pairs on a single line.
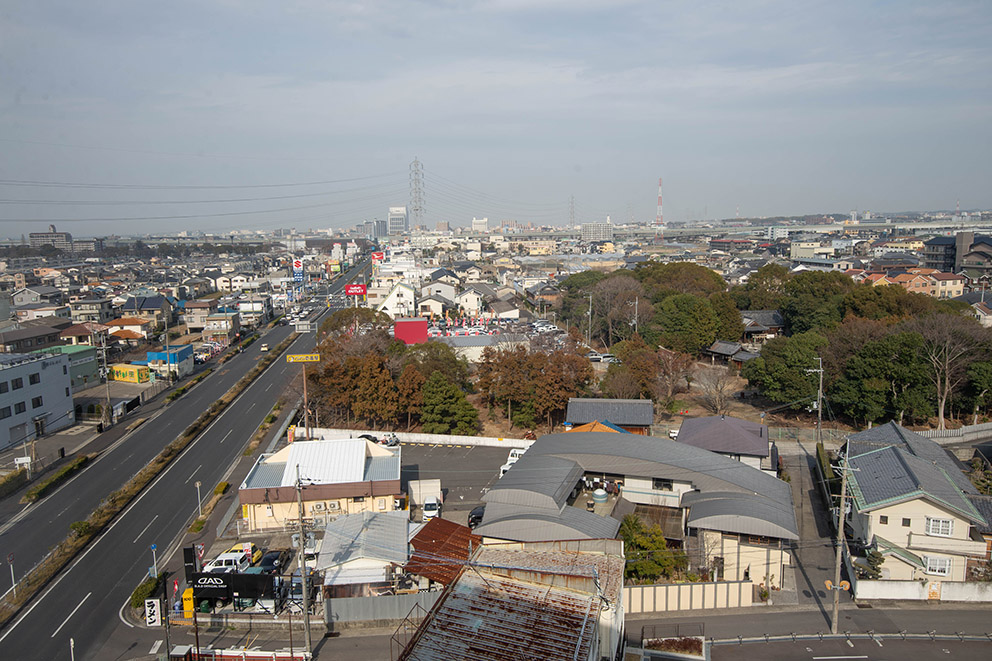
[[512, 458], [424, 494]]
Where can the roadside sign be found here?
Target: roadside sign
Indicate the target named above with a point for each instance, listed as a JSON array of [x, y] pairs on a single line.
[[354, 290], [246, 547], [378, 256], [199, 551], [303, 358], [10, 558], [153, 613]]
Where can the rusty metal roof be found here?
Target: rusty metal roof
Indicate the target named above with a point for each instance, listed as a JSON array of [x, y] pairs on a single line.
[[489, 618], [437, 540]]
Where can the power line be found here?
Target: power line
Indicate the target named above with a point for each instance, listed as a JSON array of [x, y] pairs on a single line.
[[69, 184]]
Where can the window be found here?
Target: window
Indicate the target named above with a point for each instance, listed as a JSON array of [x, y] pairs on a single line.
[[940, 527], [34, 378], [19, 407], [17, 383], [905, 523], [882, 519], [359, 499], [36, 402], [66, 392], [938, 566], [5, 412], [4, 386], [65, 370], [662, 484]]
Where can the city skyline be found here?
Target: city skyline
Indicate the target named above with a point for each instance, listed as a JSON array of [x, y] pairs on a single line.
[[511, 107]]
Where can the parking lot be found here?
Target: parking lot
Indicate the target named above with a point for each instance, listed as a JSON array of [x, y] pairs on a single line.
[[466, 472]]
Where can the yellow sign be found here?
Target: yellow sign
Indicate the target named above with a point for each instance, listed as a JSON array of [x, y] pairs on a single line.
[[303, 358]]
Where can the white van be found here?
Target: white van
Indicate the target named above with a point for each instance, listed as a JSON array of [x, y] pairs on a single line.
[[432, 508], [228, 563]]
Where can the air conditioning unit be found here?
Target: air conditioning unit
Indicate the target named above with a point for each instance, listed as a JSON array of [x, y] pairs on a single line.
[[318, 507], [333, 505]]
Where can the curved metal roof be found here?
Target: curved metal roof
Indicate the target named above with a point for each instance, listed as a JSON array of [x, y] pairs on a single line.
[[740, 513]]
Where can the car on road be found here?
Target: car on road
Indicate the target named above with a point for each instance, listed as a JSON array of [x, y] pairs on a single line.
[[264, 347], [275, 561]]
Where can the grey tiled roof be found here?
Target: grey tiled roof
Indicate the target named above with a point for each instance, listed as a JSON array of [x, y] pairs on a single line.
[[891, 434], [768, 318], [618, 411], [890, 475]]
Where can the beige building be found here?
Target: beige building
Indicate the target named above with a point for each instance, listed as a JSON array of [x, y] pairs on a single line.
[[340, 476]]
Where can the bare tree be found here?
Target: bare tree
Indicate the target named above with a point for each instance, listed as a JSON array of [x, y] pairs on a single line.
[[717, 385], [614, 300], [674, 370], [950, 343]]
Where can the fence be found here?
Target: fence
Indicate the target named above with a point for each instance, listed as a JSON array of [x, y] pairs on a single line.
[[671, 597], [371, 610], [964, 434], [406, 437]]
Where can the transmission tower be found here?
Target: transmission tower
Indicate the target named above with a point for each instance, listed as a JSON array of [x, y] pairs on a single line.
[[659, 220], [571, 211], [416, 193]]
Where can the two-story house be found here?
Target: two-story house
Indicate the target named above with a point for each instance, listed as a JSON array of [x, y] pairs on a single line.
[[97, 310]]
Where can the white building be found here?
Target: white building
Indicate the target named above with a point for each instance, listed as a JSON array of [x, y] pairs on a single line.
[[597, 231], [35, 396], [480, 224], [398, 221]]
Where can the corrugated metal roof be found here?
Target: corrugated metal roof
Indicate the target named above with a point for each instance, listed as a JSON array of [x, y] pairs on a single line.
[[739, 513], [537, 481], [382, 468], [264, 474], [438, 540], [377, 535], [532, 524], [618, 411], [491, 618], [326, 462]]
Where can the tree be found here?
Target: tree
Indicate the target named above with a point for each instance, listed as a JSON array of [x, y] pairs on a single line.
[[648, 555], [663, 280], [674, 370], [431, 357], [813, 300], [409, 390], [560, 376], [614, 302], [780, 371], [717, 385], [619, 383], [375, 399], [347, 320], [446, 410], [729, 323], [687, 323], [979, 386], [950, 344], [764, 289]]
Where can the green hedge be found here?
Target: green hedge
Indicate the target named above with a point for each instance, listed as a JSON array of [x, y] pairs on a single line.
[[54, 481], [833, 482], [146, 590], [11, 482]]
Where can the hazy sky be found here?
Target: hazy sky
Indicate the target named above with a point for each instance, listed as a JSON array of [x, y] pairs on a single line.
[[511, 106]]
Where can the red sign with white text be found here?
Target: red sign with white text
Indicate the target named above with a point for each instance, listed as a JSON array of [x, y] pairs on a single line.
[[354, 290], [378, 256]]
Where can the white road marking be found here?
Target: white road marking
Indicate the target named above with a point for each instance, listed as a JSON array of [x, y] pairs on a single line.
[[71, 614], [120, 613], [879, 641], [267, 387], [226, 435], [145, 529], [63, 511], [850, 644], [156, 646], [842, 657], [193, 473]]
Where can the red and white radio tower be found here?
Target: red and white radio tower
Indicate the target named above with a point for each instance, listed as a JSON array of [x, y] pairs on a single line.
[[660, 220]]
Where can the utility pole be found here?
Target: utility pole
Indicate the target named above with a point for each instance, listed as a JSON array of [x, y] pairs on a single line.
[[837, 585], [303, 564], [589, 328], [636, 301], [107, 409], [819, 399], [168, 358]]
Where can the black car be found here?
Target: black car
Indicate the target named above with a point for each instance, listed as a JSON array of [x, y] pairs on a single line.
[[475, 516], [275, 561], [369, 437]]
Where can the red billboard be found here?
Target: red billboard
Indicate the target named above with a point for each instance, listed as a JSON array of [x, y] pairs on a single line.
[[354, 290], [378, 256]]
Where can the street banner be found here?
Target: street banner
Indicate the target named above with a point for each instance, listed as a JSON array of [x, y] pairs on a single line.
[[303, 358]]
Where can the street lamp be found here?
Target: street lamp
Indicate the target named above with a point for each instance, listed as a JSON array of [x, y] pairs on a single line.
[[199, 507]]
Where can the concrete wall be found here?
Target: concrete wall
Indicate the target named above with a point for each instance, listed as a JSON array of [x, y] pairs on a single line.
[[443, 439], [670, 597], [384, 610], [975, 592], [903, 590]]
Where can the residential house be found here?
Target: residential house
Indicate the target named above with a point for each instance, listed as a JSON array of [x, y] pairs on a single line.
[[157, 308], [434, 306], [34, 311], [129, 327], [98, 310], [439, 288], [947, 285], [221, 327], [342, 476], [912, 282], [471, 301], [633, 415], [362, 554], [401, 301], [197, 313], [37, 294], [30, 335], [983, 313], [88, 333], [255, 310]]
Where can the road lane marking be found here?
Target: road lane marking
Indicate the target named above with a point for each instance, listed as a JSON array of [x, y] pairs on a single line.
[[145, 529], [267, 387], [71, 614], [120, 613], [156, 646], [824, 658], [226, 435], [193, 473]]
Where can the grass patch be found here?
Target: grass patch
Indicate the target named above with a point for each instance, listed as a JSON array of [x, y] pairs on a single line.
[[221, 488], [11, 482], [64, 473], [197, 525]]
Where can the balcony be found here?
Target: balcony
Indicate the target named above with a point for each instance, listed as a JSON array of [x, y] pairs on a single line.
[[974, 546]]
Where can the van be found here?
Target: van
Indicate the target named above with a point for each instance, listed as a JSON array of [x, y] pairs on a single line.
[[432, 508], [228, 563]]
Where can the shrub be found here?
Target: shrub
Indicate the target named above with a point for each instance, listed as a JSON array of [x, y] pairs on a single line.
[[270, 418], [221, 488], [145, 590], [81, 528], [54, 481], [11, 482]]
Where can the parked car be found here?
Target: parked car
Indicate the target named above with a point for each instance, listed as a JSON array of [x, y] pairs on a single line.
[[369, 437], [432, 508], [256, 553], [228, 563], [475, 516], [275, 561]]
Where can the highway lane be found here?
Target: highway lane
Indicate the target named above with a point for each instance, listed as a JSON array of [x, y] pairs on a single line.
[[37, 528], [83, 603]]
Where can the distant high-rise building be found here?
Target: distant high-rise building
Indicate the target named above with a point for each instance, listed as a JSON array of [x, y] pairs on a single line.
[[398, 221], [381, 229], [597, 231], [442, 226], [480, 224], [60, 240]]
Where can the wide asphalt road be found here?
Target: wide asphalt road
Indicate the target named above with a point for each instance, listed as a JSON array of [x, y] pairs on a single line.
[[84, 601]]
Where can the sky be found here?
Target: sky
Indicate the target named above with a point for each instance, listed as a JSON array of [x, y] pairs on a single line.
[[121, 117]]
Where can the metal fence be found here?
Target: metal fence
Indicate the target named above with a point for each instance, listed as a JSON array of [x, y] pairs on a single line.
[[386, 608]]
